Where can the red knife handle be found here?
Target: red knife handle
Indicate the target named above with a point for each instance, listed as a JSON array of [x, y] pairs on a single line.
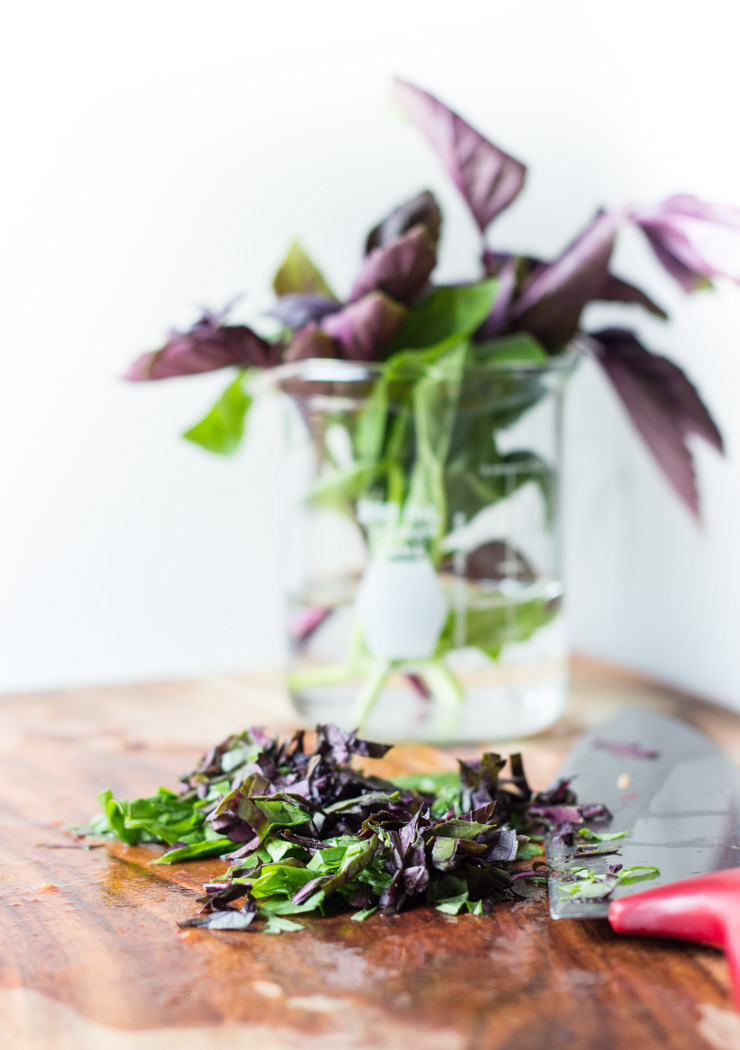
[[705, 909]]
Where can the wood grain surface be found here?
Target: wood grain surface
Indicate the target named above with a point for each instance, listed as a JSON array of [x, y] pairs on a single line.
[[91, 956]]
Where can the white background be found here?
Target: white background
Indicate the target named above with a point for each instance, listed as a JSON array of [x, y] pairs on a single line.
[[161, 155]]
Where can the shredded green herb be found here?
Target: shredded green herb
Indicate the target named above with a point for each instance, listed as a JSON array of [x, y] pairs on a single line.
[[585, 884], [600, 836]]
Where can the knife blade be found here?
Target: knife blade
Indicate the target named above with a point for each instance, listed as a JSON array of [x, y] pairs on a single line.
[[680, 812]]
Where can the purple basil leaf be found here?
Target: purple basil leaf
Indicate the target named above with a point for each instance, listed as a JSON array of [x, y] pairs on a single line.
[[219, 895], [512, 272], [560, 791], [341, 745], [410, 835], [553, 298], [400, 269], [234, 828], [596, 811], [488, 178], [364, 329], [689, 280], [497, 321], [616, 290], [495, 560], [207, 346], [693, 240], [504, 846], [418, 685], [302, 625], [558, 814], [293, 311], [663, 405], [422, 210], [617, 747], [481, 815], [310, 341], [415, 878], [494, 263], [518, 776]]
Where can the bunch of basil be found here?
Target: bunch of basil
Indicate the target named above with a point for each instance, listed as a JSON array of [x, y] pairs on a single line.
[[523, 308], [427, 426]]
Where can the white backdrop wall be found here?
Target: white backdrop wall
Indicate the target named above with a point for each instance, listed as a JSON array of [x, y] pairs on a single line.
[[162, 155]]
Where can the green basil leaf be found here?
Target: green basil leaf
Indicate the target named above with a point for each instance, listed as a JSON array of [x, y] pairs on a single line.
[[222, 430], [600, 836], [449, 312], [365, 913], [491, 627], [638, 873], [298, 275], [276, 924], [428, 783], [452, 905], [460, 829], [198, 851], [515, 349]]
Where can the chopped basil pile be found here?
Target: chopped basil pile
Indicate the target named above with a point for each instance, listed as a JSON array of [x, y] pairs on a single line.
[[305, 831]]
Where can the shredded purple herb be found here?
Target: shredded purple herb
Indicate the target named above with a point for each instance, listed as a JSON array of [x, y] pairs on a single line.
[[627, 750], [306, 832]]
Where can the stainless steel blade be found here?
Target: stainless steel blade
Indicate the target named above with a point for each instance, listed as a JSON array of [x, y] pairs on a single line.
[[680, 810]]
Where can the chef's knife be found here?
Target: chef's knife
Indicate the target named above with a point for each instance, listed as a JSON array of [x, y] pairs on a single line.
[[680, 810]]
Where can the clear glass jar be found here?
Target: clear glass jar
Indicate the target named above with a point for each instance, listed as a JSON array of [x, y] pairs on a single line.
[[422, 548]]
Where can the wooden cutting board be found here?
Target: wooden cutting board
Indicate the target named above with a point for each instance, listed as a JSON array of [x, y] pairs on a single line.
[[91, 956]]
